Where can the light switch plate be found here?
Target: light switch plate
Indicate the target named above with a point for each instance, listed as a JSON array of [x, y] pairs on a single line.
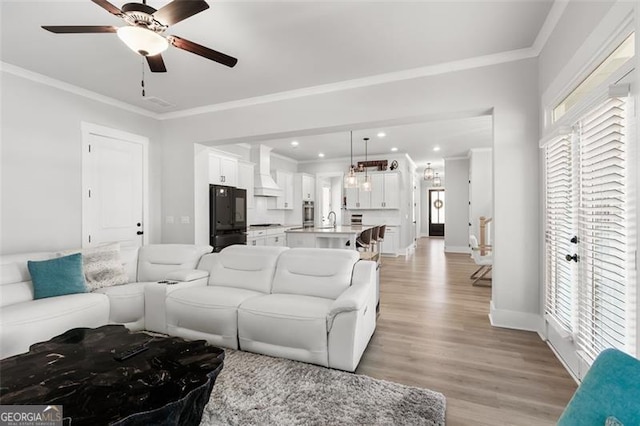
[[184, 219], [169, 219]]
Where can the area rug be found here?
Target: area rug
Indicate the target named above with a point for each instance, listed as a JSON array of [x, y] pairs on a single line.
[[260, 390]]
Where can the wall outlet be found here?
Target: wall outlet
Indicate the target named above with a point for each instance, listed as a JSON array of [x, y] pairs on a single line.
[[184, 219], [169, 219]]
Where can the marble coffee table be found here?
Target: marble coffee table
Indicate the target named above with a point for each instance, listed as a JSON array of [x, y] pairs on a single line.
[[168, 384]]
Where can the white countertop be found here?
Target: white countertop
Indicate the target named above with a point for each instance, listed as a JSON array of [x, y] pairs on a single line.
[[329, 230]]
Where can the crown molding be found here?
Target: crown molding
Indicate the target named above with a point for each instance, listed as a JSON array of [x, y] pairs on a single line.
[[556, 11], [61, 85], [428, 71], [549, 25]]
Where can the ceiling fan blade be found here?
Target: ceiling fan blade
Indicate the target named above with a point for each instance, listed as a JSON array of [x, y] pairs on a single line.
[[80, 29], [108, 7], [156, 63], [179, 10], [205, 52]]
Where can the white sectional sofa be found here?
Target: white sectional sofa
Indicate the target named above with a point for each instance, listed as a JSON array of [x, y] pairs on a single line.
[[24, 321], [311, 305]]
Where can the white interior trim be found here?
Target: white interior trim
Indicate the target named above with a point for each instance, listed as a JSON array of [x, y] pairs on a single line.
[[516, 320], [457, 249], [58, 84], [610, 32], [88, 129], [431, 70], [550, 23]]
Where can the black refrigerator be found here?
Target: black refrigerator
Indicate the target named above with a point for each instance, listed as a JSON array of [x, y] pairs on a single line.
[[228, 216]]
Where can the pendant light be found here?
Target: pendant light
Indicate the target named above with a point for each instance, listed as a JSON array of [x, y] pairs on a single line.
[[437, 181], [428, 172], [351, 180], [366, 185]]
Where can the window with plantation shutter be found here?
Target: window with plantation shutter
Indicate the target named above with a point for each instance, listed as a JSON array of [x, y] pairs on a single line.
[[605, 314], [559, 229]]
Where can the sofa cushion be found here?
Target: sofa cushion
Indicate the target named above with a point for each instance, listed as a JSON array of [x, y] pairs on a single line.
[[247, 267], [155, 261], [285, 325], [129, 259], [25, 323], [207, 312], [314, 272], [126, 302], [15, 281], [57, 277], [102, 266]]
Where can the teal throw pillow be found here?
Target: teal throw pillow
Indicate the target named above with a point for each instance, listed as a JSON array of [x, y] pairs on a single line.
[[57, 277]]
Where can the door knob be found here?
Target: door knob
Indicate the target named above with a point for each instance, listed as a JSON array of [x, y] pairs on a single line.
[[139, 233], [570, 258]]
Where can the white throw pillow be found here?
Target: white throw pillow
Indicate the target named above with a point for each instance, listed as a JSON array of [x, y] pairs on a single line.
[[102, 266]]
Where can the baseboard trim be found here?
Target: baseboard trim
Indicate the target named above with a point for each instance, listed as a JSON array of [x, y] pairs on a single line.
[[516, 320], [456, 249]]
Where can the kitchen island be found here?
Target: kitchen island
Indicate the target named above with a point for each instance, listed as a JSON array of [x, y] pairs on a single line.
[[325, 237]]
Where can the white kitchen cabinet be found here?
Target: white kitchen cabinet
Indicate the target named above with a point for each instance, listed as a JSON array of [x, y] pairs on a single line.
[[257, 237], [391, 243], [278, 240], [308, 188], [223, 169], [358, 199], [385, 191], [245, 180], [285, 182], [384, 194]]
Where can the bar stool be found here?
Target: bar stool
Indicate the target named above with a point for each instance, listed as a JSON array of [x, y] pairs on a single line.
[[380, 238], [375, 232], [364, 239]]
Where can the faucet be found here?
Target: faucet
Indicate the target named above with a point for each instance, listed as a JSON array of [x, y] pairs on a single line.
[[335, 219]]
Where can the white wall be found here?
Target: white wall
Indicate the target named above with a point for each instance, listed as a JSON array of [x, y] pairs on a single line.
[[41, 169], [456, 213], [507, 90], [481, 188]]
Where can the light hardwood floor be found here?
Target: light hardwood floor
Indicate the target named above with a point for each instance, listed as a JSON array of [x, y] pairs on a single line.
[[433, 332]]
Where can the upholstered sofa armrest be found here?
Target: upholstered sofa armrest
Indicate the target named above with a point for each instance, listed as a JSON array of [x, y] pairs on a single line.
[[185, 275], [355, 297]]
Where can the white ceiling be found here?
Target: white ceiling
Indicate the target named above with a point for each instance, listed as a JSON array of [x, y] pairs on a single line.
[[280, 45], [454, 137]]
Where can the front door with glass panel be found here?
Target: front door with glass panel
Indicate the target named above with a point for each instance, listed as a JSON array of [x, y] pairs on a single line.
[[436, 212]]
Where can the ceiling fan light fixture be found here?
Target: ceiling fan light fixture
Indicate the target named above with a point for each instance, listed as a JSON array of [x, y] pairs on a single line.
[[142, 40]]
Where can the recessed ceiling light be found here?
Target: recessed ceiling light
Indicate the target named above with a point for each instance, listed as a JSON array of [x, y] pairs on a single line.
[[294, 143], [382, 134], [321, 155], [436, 148], [394, 149]]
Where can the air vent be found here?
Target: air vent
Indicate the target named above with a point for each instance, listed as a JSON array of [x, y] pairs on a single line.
[[158, 101]]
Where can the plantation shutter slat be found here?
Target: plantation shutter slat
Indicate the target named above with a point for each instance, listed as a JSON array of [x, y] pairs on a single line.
[[559, 226], [602, 221]]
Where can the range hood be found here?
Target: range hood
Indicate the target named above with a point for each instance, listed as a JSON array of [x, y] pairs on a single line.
[[264, 185]]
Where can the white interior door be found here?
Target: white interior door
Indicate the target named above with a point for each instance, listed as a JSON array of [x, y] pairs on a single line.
[[114, 190]]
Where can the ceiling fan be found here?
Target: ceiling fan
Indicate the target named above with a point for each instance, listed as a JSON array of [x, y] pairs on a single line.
[[145, 27]]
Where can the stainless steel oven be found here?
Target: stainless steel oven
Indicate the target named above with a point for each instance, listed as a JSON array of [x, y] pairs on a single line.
[[307, 214]]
